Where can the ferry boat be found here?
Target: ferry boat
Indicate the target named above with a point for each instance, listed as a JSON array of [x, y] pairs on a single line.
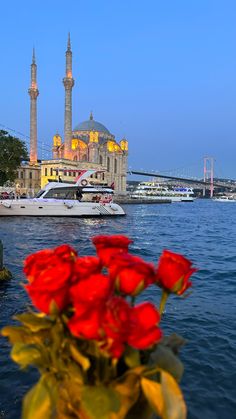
[[154, 190], [61, 199]]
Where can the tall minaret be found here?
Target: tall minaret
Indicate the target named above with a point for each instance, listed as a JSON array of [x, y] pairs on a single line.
[[33, 92], [68, 82]]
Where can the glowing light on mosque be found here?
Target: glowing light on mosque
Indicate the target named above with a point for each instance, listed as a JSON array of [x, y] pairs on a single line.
[[93, 137]]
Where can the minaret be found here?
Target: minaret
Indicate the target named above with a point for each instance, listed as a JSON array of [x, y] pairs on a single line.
[[68, 82], [33, 92]]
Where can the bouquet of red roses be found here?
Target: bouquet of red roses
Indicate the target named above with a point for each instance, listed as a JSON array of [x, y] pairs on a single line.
[[99, 354]]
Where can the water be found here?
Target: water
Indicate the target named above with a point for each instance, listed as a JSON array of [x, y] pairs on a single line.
[[205, 232]]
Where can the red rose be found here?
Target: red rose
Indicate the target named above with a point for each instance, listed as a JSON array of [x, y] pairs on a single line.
[[131, 274], [173, 272], [137, 326], [116, 319], [115, 324], [93, 289], [108, 246], [86, 322], [86, 266], [49, 273], [42, 298], [36, 263], [45, 263], [144, 332]]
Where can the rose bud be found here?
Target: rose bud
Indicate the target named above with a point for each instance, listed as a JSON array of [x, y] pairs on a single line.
[[173, 272]]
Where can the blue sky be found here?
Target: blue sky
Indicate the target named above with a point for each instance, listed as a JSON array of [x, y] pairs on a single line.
[[162, 73]]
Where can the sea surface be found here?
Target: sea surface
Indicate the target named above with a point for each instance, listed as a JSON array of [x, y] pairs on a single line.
[[203, 231]]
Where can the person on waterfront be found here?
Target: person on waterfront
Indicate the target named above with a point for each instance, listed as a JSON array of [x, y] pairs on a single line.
[[17, 191], [79, 194]]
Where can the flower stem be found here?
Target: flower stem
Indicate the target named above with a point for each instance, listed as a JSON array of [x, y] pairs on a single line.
[[164, 297], [132, 300]]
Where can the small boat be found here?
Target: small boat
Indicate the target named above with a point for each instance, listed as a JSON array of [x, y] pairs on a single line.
[[225, 198], [61, 199], [152, 191]]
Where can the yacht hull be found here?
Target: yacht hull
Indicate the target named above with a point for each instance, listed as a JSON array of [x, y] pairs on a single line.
[[57, 208]]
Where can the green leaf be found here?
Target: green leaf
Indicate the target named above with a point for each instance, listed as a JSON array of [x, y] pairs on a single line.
[[99, 402], [164, 358], [153, 394], [26, 354], [165, 397], [79, 358], [34, 321], [75, 373], [131, 357], [16, 334], [128, 388], [174, 405], [37, 403], [69, 398], [53, 309]]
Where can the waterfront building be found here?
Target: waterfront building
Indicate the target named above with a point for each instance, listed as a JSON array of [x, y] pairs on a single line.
[[29, 178], [89, 145]]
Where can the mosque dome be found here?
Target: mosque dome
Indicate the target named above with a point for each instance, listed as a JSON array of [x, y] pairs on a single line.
[[91, 125]]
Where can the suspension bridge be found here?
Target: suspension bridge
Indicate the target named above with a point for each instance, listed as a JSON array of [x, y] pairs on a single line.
[[207, 182]]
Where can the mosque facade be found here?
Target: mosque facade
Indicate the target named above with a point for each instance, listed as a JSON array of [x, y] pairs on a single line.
[[89, 145]]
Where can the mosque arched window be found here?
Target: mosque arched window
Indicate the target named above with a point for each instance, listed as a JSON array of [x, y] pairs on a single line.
[[100, 159], [108, 164], [115, 166]]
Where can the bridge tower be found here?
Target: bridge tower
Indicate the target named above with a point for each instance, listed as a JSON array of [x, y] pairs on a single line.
[[209, 174]]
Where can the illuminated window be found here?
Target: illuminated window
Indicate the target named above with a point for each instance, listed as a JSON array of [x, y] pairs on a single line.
[[124, 145]]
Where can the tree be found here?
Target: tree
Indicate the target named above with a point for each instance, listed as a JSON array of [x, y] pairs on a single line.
[[12, 152]]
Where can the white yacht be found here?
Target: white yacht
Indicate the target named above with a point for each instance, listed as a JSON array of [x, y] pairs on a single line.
[[60, 199], [154, 190], [225, 198]]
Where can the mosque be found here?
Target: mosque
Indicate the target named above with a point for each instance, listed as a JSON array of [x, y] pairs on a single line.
[[89, 145]]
